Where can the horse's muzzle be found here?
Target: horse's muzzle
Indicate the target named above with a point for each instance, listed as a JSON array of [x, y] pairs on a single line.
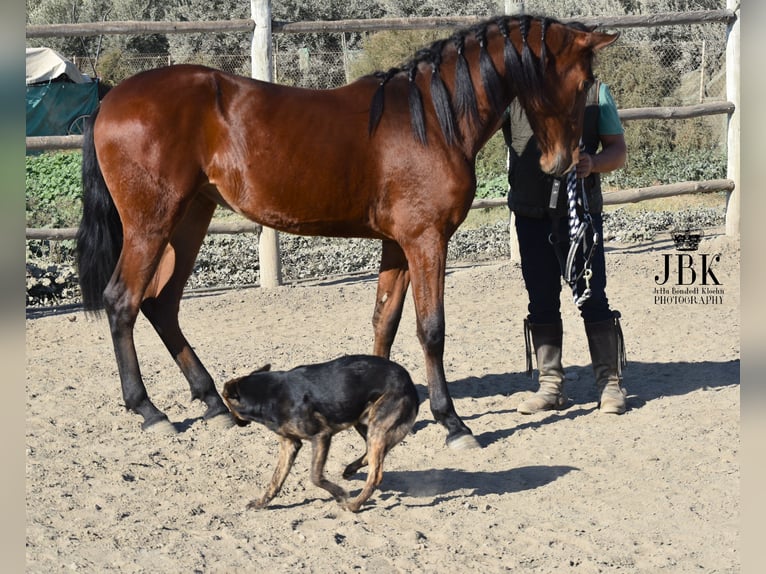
[[558, 164]]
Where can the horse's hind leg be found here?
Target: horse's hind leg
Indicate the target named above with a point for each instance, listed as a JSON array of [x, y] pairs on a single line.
[[393, 280], [162, 302], [122, 300]]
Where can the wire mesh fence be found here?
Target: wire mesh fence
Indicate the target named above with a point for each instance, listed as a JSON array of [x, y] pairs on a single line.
[[641, 74]]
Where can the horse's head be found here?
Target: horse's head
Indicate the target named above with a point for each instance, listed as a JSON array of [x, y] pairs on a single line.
[[557, 116]]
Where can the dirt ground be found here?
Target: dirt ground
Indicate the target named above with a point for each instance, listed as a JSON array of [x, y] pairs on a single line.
[[656, 489]]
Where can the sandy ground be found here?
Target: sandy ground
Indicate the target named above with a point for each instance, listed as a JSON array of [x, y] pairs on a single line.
[[654, 490]]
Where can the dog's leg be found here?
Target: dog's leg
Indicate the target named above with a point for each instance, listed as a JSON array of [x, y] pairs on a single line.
[[288, 450], [321, 446], [390, 421], [352, 468], [376, 452]]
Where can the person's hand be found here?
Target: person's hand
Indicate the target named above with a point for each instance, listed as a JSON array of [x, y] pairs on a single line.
[[584, 165]]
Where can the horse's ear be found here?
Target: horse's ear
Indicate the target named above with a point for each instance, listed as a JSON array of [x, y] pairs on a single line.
[[263, 369], [598, 40]]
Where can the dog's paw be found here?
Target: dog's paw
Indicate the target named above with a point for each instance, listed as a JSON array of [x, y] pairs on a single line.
[[257, 504], [340, 496], [350, 505]]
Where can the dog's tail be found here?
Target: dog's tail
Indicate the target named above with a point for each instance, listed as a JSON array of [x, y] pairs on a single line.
[[404, 408], [99, 237]]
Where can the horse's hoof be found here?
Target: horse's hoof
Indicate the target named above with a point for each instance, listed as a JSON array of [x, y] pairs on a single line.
[[162, 428], [221, 422], [463, 442]]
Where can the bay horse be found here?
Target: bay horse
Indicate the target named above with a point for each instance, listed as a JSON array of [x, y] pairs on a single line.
[[390, 156]]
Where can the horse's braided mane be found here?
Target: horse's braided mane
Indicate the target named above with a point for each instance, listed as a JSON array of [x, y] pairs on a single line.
[[523, 71]]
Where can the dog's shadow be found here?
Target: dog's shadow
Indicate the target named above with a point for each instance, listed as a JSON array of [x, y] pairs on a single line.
[[436, 486]]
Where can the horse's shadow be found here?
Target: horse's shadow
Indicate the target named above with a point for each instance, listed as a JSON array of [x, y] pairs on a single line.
[[439, 485], [644, 382]]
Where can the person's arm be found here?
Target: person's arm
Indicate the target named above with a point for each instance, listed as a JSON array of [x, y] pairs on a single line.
[[612, 156]]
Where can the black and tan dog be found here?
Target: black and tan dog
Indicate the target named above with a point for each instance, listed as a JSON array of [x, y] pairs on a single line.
[[314, 402]]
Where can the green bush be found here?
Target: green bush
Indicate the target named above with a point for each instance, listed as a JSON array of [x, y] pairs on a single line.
[[658, 167], [53, 189]]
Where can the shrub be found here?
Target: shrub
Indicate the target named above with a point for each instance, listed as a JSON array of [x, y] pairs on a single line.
[[658, 167], [53, 189]]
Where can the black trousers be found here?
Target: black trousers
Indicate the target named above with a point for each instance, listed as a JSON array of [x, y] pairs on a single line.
[[542, 269]]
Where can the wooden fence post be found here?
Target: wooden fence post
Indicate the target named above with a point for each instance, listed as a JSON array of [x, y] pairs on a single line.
[[733, 131], [260, 56]]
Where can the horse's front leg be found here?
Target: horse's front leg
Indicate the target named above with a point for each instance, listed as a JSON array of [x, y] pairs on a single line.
[[393, 281], [427, 258]]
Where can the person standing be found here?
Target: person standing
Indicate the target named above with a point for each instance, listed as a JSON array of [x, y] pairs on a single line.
[[544, 212]]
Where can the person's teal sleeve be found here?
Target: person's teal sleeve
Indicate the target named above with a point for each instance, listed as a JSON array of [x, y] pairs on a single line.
[[609, 123]]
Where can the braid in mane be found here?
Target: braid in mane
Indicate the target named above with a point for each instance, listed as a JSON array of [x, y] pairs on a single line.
[[465, 97], [528, 64], [544, 23], [377, 104], [415, 101], [511, 58], [490, 79], [440, 96]]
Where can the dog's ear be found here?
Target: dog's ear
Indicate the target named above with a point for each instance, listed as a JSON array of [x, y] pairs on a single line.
[[263, 369]]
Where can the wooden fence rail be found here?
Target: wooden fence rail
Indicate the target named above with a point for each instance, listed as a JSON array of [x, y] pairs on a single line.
[[610, 198], [134, 27], [664, 113], [216, 228]]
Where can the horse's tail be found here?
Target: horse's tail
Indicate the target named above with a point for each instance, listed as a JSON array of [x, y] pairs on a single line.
[[99, 238]]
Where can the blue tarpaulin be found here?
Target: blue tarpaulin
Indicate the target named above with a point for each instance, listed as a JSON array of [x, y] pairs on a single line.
[[54, 108], [58, 94]]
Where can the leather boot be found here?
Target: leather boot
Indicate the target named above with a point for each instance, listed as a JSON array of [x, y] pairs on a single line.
[[607, 352], [546, 340]]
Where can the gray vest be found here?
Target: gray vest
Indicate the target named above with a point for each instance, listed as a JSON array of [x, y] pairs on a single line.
[[530, 189]]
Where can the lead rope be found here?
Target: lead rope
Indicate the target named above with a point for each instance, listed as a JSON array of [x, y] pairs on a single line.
[[578, 225]]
